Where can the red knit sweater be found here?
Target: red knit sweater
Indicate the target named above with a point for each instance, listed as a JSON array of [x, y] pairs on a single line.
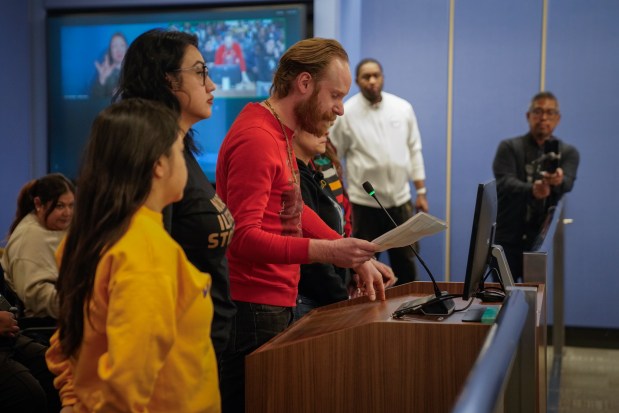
[[273, 226]]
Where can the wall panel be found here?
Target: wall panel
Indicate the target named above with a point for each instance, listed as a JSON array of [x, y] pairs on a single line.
[[410, 39], [582, 68], [496, 72]]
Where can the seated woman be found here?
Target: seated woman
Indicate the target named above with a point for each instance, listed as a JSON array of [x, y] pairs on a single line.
[[44, 212]]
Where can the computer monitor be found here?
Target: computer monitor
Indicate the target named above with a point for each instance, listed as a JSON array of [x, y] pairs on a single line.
[[482, 249]]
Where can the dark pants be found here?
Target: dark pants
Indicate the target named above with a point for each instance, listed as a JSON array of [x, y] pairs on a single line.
[[304, 306], [26, 385], [370, 223], [252, 326]]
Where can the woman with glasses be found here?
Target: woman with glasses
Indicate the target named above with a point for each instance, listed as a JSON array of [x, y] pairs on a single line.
[[167, 66]]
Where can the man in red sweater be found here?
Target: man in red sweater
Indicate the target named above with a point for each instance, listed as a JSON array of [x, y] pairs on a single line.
[[258, 178]]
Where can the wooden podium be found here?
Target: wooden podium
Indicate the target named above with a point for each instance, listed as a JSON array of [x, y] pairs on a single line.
[[353, 357]]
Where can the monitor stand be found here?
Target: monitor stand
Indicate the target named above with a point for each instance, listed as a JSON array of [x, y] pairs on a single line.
[[505, 277]]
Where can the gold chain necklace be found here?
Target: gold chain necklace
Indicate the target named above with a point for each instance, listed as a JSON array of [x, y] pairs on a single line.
[[288, 146]]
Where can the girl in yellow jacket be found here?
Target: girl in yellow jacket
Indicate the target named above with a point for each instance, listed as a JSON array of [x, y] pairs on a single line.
[[135, 315]]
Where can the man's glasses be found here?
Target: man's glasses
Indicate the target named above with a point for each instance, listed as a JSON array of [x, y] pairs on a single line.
[[200, 69], [551, 113]]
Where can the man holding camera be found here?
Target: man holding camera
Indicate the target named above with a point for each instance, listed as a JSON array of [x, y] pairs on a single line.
[[532, 174]]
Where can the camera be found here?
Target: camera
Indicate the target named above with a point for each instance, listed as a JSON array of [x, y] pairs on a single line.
[[551, 156]]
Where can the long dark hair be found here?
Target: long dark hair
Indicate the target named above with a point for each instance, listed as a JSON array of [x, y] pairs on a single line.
[[48, 189], [151, 59], [115, 179]]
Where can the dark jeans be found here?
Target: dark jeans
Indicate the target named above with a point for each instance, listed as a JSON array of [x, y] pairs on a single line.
[[369, 223], [26, 385], [304, 306], [252, 326]]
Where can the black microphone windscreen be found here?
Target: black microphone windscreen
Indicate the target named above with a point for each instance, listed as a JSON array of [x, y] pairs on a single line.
[[368, 187]]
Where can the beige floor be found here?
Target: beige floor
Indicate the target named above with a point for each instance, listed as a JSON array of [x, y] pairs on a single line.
[[589, 380]]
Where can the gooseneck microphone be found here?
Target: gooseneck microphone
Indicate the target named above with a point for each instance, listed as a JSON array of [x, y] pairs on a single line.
[[439, 304]]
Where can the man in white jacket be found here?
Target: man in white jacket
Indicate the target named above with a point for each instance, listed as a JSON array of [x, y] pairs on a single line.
[[378, 137]]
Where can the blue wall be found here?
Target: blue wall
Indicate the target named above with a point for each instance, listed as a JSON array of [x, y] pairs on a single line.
[[496, 69], [583, 64], [15, 110]]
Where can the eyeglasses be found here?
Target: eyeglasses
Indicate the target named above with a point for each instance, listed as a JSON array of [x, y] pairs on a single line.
[[551, 113], [200, 69]]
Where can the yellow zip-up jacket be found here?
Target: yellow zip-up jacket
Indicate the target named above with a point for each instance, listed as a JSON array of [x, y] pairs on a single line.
[[146, 346]]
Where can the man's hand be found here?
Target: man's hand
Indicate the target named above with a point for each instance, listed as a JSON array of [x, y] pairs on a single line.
[[343, 252], [389, 278], [421, 203], [370, 281], [8, 324], [553, 179], [540, 189]]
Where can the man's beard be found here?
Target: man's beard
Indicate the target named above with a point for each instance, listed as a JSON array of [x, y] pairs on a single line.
[[309, 117], [372, 96]]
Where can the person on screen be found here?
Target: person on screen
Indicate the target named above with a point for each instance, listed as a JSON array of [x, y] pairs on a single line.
[[257, 176], [525, 190], [262, 66], [166, 66], [378, 138], [135, 314], [108, 70], [44, 212], [231, 53]]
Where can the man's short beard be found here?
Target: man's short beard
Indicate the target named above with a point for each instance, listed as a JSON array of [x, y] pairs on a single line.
[[309, 117]]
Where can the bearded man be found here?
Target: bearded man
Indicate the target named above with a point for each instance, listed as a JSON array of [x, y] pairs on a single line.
[[258, 178]]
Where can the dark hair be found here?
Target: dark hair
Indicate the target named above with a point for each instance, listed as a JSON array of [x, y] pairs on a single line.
[[109, 48], [543, 95], [126, 140], [151, 59], [48, 189], [309, 55], [364, 61]]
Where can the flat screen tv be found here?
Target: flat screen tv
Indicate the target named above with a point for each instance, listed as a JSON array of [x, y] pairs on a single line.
[[81, 48], [484, 255]]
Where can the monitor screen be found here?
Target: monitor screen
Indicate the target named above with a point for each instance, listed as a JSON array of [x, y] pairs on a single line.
[[482, 238], [241, 46]]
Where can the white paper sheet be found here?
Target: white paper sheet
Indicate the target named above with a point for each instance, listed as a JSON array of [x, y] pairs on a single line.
[[418, 226]]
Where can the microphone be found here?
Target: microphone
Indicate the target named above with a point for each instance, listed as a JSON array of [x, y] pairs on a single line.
[[441, 303]]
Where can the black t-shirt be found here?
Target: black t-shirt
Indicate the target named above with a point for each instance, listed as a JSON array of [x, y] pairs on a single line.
[[202, 224]]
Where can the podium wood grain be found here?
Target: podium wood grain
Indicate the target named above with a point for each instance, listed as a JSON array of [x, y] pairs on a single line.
[[353, 357]]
